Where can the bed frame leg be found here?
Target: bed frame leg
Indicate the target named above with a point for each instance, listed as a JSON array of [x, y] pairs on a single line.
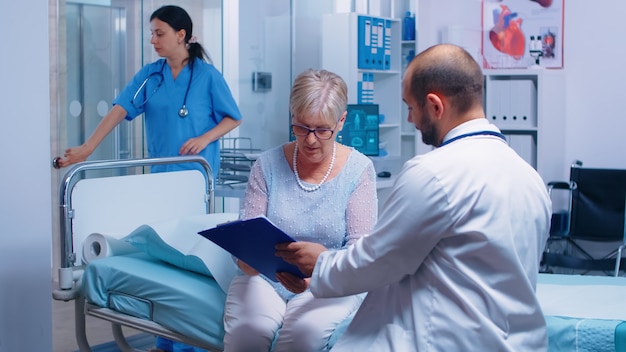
[[79, 323], [120, 339]]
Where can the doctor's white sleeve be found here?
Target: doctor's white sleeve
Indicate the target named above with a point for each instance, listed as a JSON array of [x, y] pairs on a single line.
[[412, 222]]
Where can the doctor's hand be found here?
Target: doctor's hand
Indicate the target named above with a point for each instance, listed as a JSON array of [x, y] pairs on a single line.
[[301, 254], [292, 282]]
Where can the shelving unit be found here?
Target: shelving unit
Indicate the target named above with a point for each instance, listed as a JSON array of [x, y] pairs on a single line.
[[408, 135], [528, 106], [340, 54], [532, 100], [540, 137]]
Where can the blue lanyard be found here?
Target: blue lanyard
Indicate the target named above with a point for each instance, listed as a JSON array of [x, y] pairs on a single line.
[[479, 133]]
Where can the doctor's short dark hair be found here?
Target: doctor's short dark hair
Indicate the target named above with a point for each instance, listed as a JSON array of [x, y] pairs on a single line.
[[456, 76]]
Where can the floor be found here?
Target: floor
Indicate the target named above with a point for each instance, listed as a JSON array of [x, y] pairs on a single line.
[[63, 332]]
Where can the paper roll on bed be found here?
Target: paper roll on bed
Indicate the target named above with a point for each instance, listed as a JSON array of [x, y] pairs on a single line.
[[97, 246]]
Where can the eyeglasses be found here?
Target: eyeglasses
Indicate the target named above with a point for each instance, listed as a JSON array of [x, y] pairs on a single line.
[[319, 133]]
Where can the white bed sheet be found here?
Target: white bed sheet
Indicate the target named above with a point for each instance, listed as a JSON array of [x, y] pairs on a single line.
[[582, 296]]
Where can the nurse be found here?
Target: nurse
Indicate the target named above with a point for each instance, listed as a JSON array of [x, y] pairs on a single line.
[[187, 103]]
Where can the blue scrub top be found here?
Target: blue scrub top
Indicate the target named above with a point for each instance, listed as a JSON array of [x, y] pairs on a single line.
[[209, 100]]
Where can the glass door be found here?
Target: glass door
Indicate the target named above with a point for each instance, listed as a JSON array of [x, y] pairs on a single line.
[[96, 72]]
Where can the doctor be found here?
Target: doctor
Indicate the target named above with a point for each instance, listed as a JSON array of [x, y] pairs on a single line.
[[452, 263]]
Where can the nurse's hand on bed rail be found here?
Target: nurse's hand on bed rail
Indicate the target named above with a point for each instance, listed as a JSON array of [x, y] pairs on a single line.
[[292, 282], [72, 156], [246, 268], [301, 254]]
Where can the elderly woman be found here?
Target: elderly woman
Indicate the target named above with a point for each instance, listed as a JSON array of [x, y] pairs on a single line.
[[315, 189]]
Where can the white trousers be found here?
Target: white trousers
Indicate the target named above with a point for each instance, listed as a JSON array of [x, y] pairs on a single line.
[[256, 317]]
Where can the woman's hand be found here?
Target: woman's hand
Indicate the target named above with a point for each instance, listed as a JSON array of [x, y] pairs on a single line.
[[193, 146], [292, 282], [246, 268], [74, 155]]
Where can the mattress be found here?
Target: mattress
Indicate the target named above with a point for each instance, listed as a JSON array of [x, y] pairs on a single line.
[[145, 287], [582, 296], [183, 301], [584, 313]]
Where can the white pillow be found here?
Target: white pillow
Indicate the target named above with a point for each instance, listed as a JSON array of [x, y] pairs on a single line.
[[178, 243]]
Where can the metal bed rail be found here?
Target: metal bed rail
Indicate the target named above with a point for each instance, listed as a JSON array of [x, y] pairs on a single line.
[[68, 257], [68, 273], [236, 158], [119, 319]]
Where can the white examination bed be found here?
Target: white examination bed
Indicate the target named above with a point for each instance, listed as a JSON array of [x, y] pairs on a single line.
[[137, 289], [160, 290], [584, 313]]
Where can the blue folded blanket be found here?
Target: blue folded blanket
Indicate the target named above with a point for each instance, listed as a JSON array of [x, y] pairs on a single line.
[[585, 335]]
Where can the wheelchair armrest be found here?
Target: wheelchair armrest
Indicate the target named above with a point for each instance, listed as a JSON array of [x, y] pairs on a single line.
[[571, 262], [560, 185]]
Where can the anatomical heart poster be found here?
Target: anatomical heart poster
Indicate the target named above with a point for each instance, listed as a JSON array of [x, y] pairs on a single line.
[[522, 33]]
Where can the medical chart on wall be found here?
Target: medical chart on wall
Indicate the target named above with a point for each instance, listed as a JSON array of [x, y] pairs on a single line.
[[522, 33]]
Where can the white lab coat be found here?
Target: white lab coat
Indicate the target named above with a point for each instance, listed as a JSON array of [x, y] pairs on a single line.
[[452, 263]]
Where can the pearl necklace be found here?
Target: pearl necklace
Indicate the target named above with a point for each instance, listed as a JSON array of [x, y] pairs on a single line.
[[295, 170]]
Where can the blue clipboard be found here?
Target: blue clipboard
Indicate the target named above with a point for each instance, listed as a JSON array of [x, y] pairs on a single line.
[[253, 241]]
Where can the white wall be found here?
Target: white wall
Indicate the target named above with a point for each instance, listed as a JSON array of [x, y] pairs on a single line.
[[595, 74], [594, 53], [593, 60], [434, 16], [25, 211], [264, 45], [307, 41]]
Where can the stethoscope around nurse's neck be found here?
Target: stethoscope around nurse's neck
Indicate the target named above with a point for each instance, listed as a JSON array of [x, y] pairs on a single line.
[[158, 75]]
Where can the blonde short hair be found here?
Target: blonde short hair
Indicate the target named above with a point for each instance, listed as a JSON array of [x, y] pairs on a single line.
[[318, 92]]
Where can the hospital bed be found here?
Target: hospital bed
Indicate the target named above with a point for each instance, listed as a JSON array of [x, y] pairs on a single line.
[[160, 277], [136, 288], [584, 312], [169, 297]]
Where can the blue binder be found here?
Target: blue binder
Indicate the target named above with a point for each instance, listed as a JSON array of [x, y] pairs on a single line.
[[368, 93], [364, 42], [378, 43], [253, 241], [364, 93], [387, 56]]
